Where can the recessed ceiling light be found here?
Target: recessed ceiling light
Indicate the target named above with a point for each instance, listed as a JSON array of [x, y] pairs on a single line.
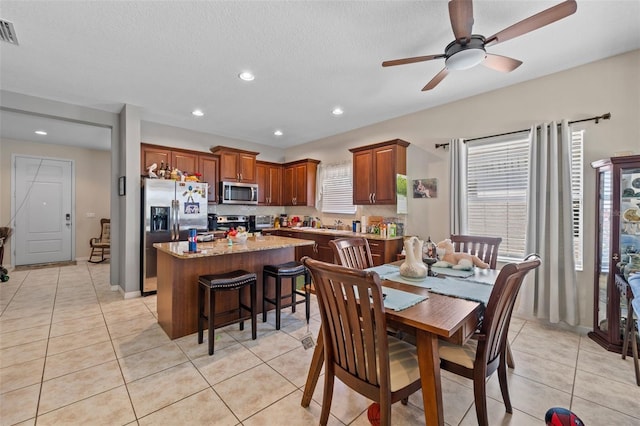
[[246, 76], [278, 133], [41, 132], [337, 111], [197, 112]]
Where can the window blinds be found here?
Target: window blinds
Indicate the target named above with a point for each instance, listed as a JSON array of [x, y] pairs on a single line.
[[337, 189], [497, 180]]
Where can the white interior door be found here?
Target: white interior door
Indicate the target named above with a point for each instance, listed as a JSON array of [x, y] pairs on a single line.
[[42, 209]]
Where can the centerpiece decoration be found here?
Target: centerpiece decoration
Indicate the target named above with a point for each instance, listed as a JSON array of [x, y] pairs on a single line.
[[413, 267]]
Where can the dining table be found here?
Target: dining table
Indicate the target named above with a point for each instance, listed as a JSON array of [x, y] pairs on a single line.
[[448, 306]]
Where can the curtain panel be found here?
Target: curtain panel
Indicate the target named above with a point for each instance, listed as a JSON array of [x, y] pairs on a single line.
[[551, 292], [458, 186]]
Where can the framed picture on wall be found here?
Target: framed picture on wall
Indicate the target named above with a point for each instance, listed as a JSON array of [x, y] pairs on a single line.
[[425, 188]]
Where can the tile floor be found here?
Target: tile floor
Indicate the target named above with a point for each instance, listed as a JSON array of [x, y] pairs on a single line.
[[74, 352]]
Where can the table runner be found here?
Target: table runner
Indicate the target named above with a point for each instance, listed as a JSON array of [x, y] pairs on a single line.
[[399, 300], [469, 289]]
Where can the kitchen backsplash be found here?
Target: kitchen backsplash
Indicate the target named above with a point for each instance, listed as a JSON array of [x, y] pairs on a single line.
[[325, 218]]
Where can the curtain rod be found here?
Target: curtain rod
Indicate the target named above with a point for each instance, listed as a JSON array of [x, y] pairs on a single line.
[[597, 119]]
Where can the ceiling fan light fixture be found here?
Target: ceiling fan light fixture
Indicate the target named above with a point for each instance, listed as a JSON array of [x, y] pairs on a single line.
[[465, 59], [246, 76]]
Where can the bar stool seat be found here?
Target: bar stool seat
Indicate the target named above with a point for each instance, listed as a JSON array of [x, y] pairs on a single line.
[[234, 280], [291, 270]]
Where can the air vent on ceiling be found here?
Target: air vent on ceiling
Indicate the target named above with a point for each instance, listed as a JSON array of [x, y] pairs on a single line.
[[7, 33]]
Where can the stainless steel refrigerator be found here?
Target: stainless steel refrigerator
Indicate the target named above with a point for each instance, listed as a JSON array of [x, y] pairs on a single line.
[[170, 209]]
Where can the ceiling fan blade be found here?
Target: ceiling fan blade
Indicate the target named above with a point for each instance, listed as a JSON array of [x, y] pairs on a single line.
[[461, 16], [534, 22], [435, 80], [501, 63], [411, 60]]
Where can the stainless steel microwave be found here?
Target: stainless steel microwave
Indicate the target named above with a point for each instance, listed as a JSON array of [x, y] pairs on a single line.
[[238, 193]]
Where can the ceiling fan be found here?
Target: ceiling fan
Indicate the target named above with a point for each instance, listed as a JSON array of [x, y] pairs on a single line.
[[469, 50]]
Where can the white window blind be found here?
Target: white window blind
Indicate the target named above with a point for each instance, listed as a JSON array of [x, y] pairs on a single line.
[[577, 194], [497, 180], [337, 189]]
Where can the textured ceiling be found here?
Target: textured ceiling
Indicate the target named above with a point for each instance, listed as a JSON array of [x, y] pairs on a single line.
[[169, 57]]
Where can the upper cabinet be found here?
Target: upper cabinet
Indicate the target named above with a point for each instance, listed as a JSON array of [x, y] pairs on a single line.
[[269, 178], [374, 171], [236, 165], [191, 162], [299, 183], [208, 167], [185, 161]]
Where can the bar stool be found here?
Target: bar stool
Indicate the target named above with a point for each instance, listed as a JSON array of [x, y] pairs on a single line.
[[234, 280], [290, 270]]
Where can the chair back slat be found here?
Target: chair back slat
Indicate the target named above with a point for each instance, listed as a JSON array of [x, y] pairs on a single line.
[[495, 324], [486, 248], [353, 318], [352, 252]]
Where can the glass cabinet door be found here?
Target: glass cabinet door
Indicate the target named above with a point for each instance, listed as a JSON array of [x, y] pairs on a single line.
[[605, 207], [617, 243]]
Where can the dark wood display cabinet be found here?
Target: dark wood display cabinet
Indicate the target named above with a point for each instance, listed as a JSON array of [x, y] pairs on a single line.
[[618, 233]]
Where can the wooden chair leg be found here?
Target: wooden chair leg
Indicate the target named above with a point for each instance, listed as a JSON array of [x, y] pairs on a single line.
[[480, 397], [504, 386], [510, 362], [327, 396]]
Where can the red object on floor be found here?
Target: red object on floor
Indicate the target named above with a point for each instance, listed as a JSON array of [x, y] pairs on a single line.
[[373, 414], [557, 416]]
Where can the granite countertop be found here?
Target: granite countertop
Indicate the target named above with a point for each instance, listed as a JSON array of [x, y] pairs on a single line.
[[221, 247], [335, 232]]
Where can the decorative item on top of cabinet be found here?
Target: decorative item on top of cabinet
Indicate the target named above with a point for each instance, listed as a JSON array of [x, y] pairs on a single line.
[[269, 178], [299, 183], [375, 167], [616, 238], [173, 158], [236, 165]]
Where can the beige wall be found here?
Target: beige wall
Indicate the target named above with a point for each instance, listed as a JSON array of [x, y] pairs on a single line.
[[611, 85], [92, 179]]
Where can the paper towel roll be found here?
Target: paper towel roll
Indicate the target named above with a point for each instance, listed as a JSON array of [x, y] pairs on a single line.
[[364, 223]]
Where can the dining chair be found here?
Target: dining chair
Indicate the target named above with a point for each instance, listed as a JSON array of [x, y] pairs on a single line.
[[486, 248], [352, 252], [101, 246], [479, 358], [357, 349]]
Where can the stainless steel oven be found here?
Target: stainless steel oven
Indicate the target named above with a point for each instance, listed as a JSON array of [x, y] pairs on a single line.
[[225, 223]]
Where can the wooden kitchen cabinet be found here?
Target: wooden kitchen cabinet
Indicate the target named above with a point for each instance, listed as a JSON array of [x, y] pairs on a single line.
[[183, 160], [374, 170], [269, 179], [208, 168], [299, 183], [236, 165], [384, 251], [150, 154]]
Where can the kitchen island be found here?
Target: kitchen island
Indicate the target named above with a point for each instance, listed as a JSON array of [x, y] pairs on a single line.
[[178, 272]]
